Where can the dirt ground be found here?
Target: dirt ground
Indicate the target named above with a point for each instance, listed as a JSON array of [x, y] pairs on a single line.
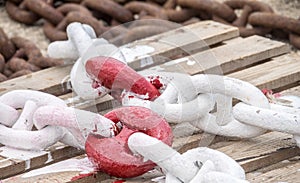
[[290, 8]]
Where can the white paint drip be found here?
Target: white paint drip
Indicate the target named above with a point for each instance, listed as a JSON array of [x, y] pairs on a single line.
[[19, 154], [50, 158], [190, 62], [177, 61], [160, 179], [59, 147], [27, 164], [83, 166], [136, 52]]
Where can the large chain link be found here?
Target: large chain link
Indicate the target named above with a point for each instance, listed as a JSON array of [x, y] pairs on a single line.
[[251, 117], [52, 118]]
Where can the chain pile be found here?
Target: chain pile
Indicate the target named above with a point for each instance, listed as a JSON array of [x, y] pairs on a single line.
[[203, 101], [20, 56], [255, 18]]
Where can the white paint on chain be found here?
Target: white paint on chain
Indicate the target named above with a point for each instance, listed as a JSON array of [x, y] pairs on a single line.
[[267, 118], [8, 114], [79, 122], [25, 121], [75, 165], [186, 167]]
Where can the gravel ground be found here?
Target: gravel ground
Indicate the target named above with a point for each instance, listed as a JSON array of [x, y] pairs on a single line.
[[290, 8]]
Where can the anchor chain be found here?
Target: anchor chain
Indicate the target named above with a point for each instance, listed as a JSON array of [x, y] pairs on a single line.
[[204, 101]]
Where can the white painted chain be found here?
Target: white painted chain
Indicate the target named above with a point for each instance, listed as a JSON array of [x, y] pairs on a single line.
[[199, 165], [203, 101], [192, 98], [195, 97], [81, 46], [52, 118]]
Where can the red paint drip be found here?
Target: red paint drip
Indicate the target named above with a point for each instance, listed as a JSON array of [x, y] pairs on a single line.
[[80, 176], [156, 83], [267, 91], [119, 181]]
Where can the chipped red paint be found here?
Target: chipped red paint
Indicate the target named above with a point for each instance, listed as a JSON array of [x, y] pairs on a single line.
[[113, 74], [156, 83], [112, 155]]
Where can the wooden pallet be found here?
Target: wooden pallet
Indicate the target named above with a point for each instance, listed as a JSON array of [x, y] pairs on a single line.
[[263, 62]]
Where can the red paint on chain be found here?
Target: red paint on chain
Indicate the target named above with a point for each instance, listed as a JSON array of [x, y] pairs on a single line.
[[156, 83], [114, 74], [112, 155]]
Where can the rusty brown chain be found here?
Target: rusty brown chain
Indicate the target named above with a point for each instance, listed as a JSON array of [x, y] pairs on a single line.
[[256, 17], [20, 56]]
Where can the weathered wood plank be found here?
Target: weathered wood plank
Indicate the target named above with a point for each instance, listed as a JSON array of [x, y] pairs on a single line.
[[183, 41], [57, 152], [48, 80], [237, 55], [279, 72], [262, 151], [287, 172]]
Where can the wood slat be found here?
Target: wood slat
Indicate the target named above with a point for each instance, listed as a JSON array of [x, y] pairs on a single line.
[[183, 41], [227, 58], [262, 151], [48, 80], [288, 172], [57, 152], [279, 72]]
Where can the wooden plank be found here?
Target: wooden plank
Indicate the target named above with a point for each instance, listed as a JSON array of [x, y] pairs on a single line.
[[287, 172], [48, 176], [48, 80], [279, 72], [292, 91], [57, 152], [266, 160], [182, 41], [227, 58], [53, 80], [262, 151]]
